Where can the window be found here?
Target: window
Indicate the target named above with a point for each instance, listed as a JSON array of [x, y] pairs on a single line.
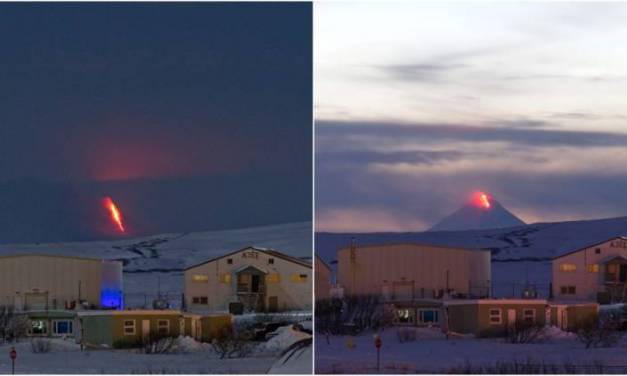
[[495, 316], [163, 327], [200, 300], [273, 278], [568, 267], [129, 327], [405, 316], [529, 315], [201, 278], [597, 251], [270, 260], [39, 327], [225, 277], [593, 268], [62, 327], [299, 277], [428, 316], [568, 290], [229, 261]]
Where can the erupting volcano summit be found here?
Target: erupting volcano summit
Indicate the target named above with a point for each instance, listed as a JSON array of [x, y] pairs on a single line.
[[481, 211]]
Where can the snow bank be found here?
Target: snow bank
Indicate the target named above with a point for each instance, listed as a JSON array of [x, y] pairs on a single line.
[[283, 338]]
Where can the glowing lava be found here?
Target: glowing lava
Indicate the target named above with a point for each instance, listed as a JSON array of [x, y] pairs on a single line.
[[116, 215], [481, 199]]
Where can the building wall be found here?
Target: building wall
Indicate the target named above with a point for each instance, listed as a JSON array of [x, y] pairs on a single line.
[[56, 278], [108, 328], [398, 270], [323, 279], [220, 290], [586, 282], [474, 317]]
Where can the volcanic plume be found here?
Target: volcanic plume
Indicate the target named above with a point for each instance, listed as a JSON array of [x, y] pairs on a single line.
[[481, 211], [115, 213]]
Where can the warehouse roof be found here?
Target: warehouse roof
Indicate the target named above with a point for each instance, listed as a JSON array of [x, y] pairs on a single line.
[[357, 247], [590, 246]]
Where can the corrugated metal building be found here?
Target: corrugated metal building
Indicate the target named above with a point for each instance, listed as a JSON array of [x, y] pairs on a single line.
[[256, 279], [406, 272], [42, 282]]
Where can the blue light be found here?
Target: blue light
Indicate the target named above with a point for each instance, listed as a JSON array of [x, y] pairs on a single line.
[[111, 298]]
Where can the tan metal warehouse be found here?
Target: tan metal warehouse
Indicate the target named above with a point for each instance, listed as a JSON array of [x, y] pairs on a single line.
[[41, 281], [323, 279], [405, 272], [253, 278]]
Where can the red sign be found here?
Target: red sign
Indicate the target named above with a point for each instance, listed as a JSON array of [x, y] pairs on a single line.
[[377, 342], [13, 353]]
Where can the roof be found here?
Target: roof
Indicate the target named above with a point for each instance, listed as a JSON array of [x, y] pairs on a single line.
[[270, 252], [615, 258], [417, 245], [494, 301], [57, 256], [590, 246], [323, 262]]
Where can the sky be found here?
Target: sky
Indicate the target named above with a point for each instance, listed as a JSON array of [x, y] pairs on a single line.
[[420, 104], [191, 117]]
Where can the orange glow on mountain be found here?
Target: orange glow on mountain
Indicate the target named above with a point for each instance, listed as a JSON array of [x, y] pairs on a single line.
[[481, 199], [114, 212]]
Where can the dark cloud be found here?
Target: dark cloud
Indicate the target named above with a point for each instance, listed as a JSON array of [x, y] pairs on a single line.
[[422, 72], [530, 135], [514, 173]]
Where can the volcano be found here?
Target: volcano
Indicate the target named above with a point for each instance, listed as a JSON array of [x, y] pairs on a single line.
[[481, 211]]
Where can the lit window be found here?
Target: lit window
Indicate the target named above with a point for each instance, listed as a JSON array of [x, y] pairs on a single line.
[[593, 268], [163, 327], [495, 316], [201, 278], [428, 316], [273, 278], [129, 327], [39, 327], [405, 316], [299, 277], [568, 267], [225, 277], [529, 315]]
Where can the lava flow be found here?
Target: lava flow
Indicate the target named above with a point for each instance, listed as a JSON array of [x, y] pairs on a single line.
[[481, 199], [116, 215]]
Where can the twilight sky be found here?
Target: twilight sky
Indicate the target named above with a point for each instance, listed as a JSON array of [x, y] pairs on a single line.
[[190, 116], [419, 104]]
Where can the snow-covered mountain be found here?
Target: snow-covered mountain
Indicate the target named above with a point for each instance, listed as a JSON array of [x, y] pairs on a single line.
[[154, 264], [481, 211]]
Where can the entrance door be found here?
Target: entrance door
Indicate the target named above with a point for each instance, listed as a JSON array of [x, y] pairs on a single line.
[[511, 317], [254, 286], [564, 319], [145, 329], [622, 276], [273, 303]]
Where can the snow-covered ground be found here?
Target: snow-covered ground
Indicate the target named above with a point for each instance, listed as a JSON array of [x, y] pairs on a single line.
[[154, 264], [187, 357], [431, 352]]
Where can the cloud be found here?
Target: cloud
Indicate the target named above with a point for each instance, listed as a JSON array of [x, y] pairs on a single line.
[[420, 72], [409, 176]]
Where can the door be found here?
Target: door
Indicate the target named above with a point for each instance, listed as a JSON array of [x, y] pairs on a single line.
[[273, 303], [145, 329], [511, 317], [193, 328], [254, 287], [622, 276], [182, 326], [564, 319]]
